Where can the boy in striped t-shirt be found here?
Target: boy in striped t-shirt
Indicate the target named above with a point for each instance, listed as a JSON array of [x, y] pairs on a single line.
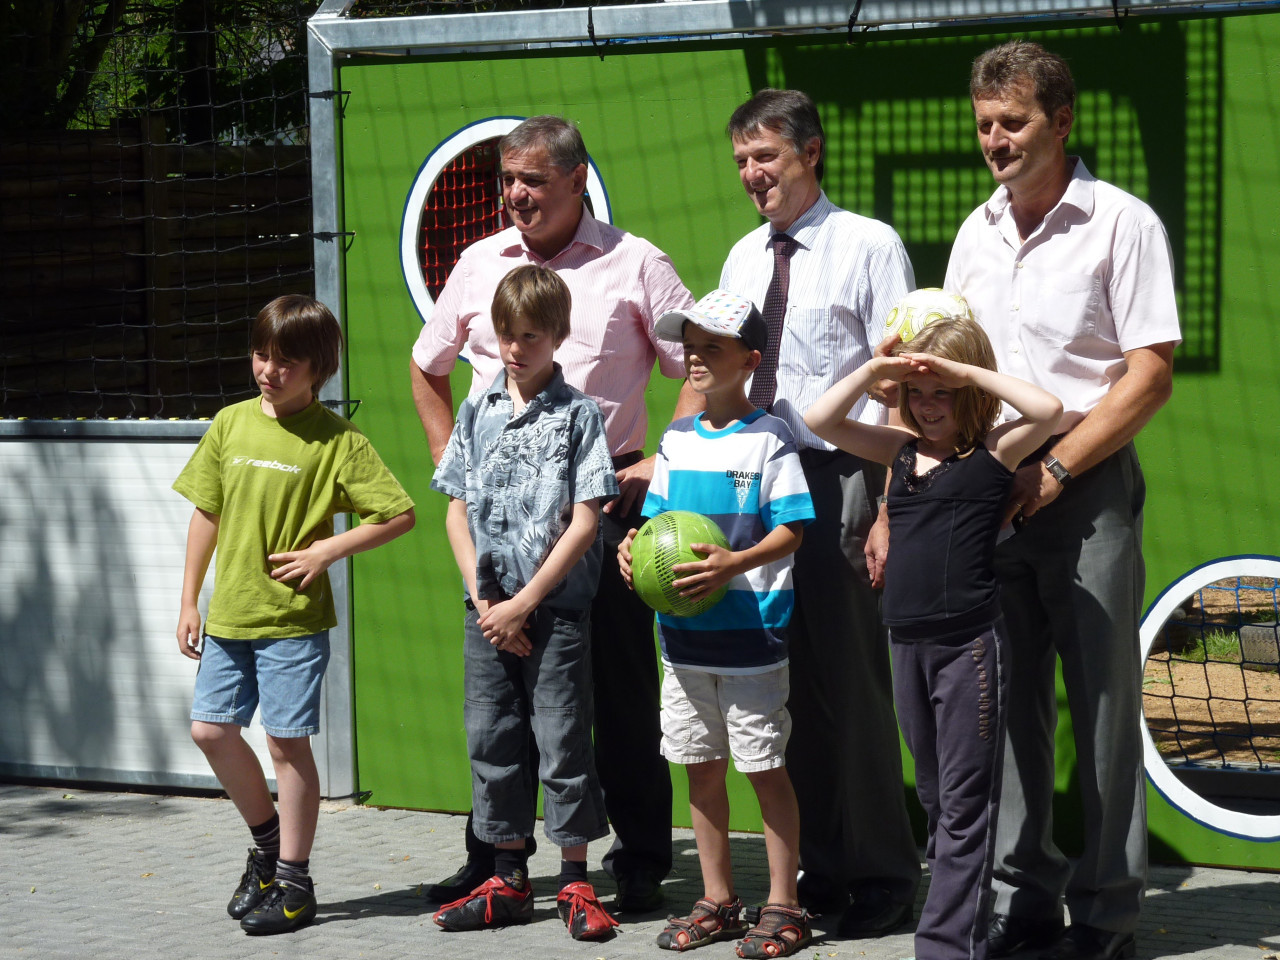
[[725, 683]]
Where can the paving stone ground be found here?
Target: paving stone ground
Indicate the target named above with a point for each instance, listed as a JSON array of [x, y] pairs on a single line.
[[101, 874]]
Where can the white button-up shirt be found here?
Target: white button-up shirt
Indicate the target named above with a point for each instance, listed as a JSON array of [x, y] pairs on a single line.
[[1093, 281], [847, 272]]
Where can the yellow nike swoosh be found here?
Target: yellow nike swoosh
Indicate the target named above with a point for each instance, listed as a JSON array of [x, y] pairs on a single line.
[[290, 914], [264, 886]]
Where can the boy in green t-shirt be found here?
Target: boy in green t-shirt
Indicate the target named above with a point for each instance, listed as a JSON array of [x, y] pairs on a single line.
[[266, 480]]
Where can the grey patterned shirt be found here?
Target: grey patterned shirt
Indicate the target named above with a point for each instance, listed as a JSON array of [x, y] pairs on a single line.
[[520, 477]]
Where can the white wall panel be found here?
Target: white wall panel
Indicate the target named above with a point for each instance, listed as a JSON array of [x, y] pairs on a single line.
[[92, 542]]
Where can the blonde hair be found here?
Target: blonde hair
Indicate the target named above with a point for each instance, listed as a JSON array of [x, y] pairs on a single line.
[[962, 340], [535, 294]]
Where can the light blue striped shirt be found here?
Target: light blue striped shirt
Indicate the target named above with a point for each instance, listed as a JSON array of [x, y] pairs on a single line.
[[846, 274], [748, 479]]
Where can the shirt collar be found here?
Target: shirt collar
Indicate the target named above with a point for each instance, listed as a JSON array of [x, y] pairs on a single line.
[[588, 233], [498, 389], [805, 229], [1079, 194]]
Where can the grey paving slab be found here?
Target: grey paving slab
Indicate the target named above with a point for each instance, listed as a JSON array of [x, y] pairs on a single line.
[[115, 875]]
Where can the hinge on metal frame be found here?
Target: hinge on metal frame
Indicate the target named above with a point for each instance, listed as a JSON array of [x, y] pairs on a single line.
[[332, 94], [591, 34], [1120, 18], [328, 236], [853, 20]]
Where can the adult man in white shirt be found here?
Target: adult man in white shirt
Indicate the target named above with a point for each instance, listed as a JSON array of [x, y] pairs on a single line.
[[843, 273], [620, 285], [1073, 280]]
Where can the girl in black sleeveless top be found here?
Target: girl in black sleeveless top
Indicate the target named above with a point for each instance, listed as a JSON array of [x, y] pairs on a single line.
[[951, 468]]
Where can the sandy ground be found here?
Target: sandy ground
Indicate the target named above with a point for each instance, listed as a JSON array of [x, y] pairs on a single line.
[[1216, 711]]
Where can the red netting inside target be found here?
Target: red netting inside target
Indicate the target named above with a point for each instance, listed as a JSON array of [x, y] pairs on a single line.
[[464, 205]]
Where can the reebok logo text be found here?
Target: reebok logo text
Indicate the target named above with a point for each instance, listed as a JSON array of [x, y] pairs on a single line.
[[266, 464]]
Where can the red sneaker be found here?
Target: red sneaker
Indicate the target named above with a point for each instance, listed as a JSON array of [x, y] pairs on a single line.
[[583, 914], [495, 903]]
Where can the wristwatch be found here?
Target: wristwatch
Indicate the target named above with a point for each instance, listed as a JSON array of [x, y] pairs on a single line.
[[1059, 472]]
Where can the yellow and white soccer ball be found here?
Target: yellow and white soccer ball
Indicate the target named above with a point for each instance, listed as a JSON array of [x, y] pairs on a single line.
[[919, 308]]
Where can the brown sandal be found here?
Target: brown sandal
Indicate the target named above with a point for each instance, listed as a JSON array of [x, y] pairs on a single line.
[[688, 933], [770, 924]]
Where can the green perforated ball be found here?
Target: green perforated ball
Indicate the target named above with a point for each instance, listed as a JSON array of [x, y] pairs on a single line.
[[664, 542]]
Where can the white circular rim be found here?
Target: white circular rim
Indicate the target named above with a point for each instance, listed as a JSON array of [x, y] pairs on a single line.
[[1246, 826], [437, 160]]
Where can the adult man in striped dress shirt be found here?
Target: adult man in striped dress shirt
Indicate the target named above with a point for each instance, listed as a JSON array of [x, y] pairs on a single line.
[[846, 271], [620, 285]]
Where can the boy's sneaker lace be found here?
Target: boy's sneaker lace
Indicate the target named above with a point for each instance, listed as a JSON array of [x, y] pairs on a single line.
[[497, 902], [583, 914], [253, 885], [286, 907]]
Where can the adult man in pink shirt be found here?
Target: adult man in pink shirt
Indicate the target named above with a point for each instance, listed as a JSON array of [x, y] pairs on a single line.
[[1072, 278], [620, 285]]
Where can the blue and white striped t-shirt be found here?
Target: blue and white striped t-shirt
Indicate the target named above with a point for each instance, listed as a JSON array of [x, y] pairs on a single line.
[[748, 479]]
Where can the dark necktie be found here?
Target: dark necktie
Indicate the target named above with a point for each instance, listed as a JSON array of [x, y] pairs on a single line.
[[764, 384]]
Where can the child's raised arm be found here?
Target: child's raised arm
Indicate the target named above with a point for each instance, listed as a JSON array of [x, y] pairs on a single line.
[[827, 417], [1010, 442]]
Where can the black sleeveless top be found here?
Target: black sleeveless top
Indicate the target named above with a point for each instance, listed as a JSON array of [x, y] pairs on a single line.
[[940, 580]]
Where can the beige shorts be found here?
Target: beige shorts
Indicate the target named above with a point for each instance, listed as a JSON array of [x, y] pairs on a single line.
[[711, 716]]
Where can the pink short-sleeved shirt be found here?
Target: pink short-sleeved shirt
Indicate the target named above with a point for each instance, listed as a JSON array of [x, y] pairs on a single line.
[[620, 286], [1092, 282]]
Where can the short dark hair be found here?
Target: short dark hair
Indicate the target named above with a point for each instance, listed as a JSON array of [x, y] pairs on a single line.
[[789, 113], [559, 137], [1002, 68], [297, 327], [535, 294], [964, 341]]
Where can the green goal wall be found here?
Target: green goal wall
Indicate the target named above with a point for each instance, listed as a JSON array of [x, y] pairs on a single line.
[[1181, 112]]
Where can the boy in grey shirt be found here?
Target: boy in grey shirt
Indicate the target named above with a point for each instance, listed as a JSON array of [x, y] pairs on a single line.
[[527, 469]]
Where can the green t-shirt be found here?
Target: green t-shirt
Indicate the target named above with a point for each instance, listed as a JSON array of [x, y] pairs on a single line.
[[276, 485]]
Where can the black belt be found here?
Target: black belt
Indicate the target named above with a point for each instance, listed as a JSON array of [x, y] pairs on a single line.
[[627, 459]]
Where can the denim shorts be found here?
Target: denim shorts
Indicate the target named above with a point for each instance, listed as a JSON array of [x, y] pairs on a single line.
[[546, 694], [282, 675], [711, 716]]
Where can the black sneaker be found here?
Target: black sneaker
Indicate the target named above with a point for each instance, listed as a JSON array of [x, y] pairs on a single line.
[[286, 907], [495, 903], [474, 872], [253, 885]]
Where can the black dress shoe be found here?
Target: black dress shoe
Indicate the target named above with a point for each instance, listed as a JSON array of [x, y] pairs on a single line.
[[819, 895], [1007, 935], [638, 893], [873, 913], [473, 873], [1082, 942]]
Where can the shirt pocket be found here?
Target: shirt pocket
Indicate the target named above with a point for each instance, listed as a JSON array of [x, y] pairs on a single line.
[[1060, 308], [809, 345]]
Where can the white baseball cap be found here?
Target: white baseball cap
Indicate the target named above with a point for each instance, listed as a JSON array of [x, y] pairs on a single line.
[[720, 312]]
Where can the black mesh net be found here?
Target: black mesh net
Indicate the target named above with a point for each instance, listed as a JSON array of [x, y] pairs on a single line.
[[1211, 690], [157, 193]]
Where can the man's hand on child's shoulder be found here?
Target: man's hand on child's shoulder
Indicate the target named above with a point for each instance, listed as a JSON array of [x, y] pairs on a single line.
[[633, 484]]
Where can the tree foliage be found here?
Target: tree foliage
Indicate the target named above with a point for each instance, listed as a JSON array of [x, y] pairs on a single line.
[[214, 69]]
